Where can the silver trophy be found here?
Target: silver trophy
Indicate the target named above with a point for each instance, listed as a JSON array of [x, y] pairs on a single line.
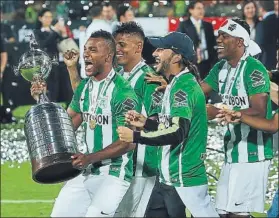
[[48, 128]]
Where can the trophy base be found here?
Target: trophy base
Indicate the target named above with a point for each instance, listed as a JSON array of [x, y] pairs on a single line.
[[54, 169]]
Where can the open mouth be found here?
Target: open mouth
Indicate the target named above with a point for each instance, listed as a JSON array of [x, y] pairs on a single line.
[[220, 48], [88, 65], [119, 55], [157, 62]]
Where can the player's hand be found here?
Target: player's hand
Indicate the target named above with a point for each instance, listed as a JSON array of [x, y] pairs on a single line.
[[151, 78], [125, 134], [71, 57], [212, 111], [37, 88], [230, 116], [135, 119], [80, 161]]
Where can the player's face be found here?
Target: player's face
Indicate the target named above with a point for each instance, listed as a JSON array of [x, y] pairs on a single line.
[[127, 46], [227, 45], [163, 59], [96, 54]]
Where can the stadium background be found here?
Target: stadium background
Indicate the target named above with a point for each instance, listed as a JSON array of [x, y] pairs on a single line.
[[20, 196]]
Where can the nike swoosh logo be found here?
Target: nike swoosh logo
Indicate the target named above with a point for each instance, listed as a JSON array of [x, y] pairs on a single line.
[[236, 204], [220, 81], [103, 213]]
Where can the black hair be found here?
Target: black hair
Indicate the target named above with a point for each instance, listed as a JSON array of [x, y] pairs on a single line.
[[41, 13], [106, 4], [109, 40], [192, 5], [246, 2], [96, 11], [242, 23], [193, 69], [122, 9], [267, 5], [129, 28]]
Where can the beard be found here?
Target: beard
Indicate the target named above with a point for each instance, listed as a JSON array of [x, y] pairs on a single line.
[[165, 66]]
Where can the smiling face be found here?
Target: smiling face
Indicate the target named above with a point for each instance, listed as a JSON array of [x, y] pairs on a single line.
[[96, 54], [127, 46], [249, 10], [163, 58], [227, 45]]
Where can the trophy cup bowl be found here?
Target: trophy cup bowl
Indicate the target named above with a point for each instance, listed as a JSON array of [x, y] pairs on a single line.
[[49, 131]]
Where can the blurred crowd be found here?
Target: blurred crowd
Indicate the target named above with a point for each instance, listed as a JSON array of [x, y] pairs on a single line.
[[53, 21]]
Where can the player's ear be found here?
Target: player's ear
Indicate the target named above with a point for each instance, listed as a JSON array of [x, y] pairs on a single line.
[[240, 42], [109, 57], [176, 58], [139, 47]]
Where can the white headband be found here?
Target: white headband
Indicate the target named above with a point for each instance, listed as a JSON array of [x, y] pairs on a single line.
[[234, 29]]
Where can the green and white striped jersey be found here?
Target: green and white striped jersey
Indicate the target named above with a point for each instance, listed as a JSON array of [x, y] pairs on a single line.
[[115, 97], [150, 99], [183, 165], [242, 143]]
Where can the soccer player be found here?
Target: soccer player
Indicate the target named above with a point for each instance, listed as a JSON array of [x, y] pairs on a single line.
[[260, 123], [181, 134], [129, 39], [243, 83], [100, 103]]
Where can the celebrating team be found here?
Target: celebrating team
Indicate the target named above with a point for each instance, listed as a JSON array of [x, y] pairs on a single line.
[[134, 132]]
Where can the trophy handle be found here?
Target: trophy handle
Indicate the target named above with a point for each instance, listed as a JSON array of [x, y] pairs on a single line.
[[42, 98], [55, 60], [16, 70]]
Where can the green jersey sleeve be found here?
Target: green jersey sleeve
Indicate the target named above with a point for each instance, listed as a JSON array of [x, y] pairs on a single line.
[[152, 99], [123, 101], [181, 101], [256, 78], [75, 103], [212, 77]]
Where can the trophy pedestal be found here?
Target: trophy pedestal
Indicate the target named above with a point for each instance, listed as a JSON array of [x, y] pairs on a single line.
[[51, 142], [53, 169]]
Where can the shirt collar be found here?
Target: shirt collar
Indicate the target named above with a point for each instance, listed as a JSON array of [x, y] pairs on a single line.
[[194, 21], [268, 13]]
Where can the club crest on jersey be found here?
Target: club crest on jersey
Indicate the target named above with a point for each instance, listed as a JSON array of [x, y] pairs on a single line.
[[94, 120], [257, 78], [103, 102], [180, 99]]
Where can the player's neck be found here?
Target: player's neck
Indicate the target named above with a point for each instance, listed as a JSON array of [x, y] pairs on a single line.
[[130, 66], [104, 74], [234, 61]]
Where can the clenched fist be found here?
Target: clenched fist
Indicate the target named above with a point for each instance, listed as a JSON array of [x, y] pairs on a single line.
[[71, 57]]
